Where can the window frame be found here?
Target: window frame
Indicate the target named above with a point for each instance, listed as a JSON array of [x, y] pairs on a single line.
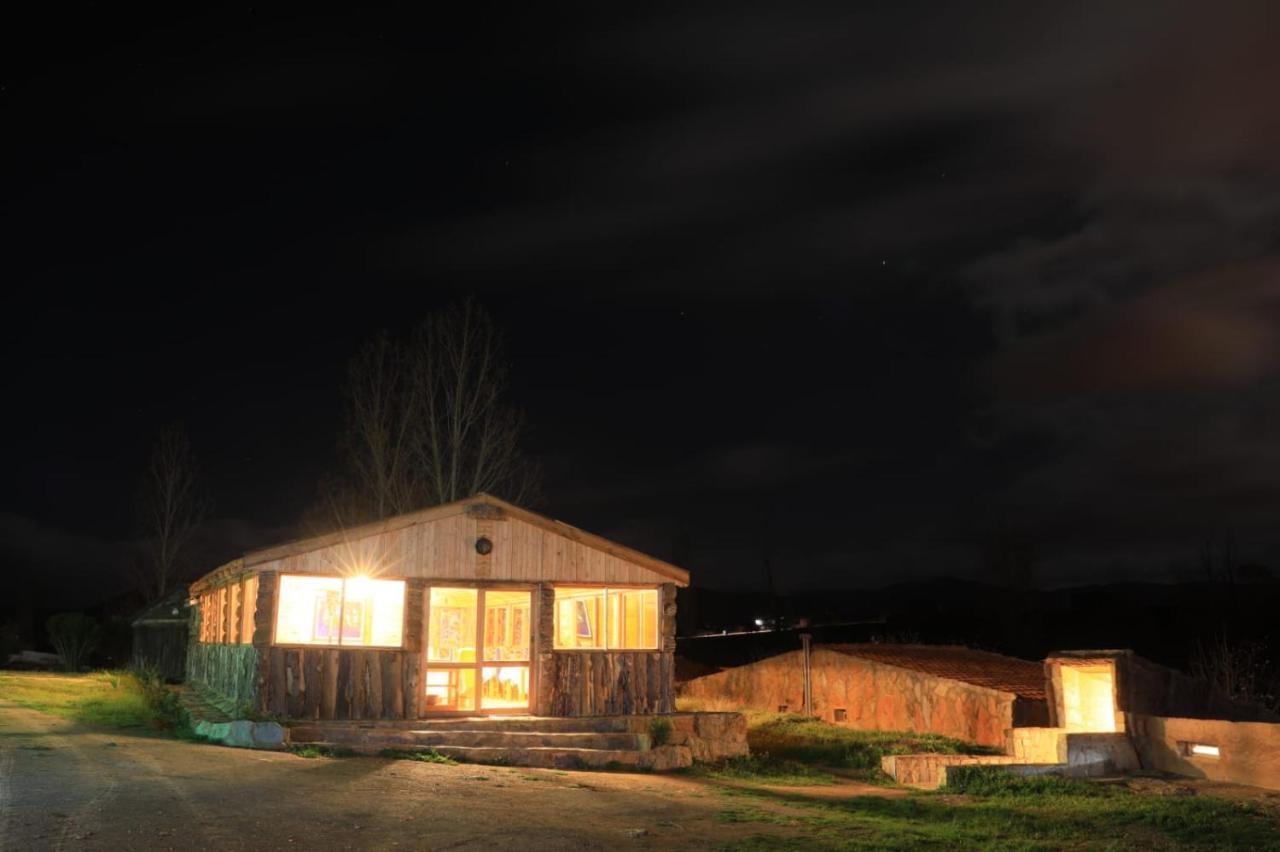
[[338, 646], [604, 627], [481, 662]]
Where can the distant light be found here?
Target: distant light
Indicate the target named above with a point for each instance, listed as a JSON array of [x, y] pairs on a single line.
[[759, 622], [1205, 750]]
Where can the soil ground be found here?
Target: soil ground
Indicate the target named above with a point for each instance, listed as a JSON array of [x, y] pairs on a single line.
[[63, 786]]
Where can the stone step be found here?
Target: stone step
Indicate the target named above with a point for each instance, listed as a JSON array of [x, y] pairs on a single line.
[[532, 739], [349, 730], [349, 735], [538, 724], [547, 757]]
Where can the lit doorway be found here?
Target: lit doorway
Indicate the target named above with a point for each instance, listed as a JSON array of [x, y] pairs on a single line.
[[1088, 698], [478, 650]]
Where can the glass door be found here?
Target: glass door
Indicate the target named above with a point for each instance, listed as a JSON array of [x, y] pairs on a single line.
[[477, 654]]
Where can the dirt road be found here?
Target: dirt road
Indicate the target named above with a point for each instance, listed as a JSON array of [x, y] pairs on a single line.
[[63, 787]]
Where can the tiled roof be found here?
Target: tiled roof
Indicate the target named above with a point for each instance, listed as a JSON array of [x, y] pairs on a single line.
[[980, 668]]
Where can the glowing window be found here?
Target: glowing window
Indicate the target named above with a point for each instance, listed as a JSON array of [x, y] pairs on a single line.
[[336, 611], [614, 619], [250, 609]]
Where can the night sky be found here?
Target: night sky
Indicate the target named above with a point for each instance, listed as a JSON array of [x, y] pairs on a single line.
[[863, 288]]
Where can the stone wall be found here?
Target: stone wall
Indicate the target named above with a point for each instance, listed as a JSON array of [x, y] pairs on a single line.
[[1249, 752], [873, 696], [1037, 745], [929, 770]]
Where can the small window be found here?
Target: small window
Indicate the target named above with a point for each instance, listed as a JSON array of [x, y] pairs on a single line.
[[336, 611], [612, 619], [782, 708], [840, 714]]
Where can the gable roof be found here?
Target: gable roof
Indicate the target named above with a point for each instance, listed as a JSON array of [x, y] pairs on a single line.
[[981, 668], [481, 505]]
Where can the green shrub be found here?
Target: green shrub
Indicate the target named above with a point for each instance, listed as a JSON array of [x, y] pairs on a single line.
[[659, 731], [167, 711], [73, 635]]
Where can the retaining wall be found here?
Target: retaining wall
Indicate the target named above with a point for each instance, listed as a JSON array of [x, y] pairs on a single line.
[[1248, 752]]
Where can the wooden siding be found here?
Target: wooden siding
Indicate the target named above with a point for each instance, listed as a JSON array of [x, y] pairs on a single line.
[[444, 549], [607, 683], [333, 683], [162, 648]]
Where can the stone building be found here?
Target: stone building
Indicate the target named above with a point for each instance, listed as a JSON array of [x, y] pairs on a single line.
[[954, 691]]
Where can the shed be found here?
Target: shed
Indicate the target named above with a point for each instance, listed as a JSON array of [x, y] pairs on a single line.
[[472, 607], [950, 690], [160, 636]]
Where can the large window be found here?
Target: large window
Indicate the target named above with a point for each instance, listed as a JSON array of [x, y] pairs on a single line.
[[606, 619], [340, 611]]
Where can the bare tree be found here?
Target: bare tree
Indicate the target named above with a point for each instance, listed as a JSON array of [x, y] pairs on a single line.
[[171, 510], [467, 436], [428, 422], [1240, 669], [381, 407]]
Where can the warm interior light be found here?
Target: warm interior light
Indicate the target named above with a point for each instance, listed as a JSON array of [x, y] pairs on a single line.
[[1088, 699], [358, 586]]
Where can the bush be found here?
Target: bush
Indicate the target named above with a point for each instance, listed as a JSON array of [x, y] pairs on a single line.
[[167, 711], [10, 640], [74, 635], [659, 731]]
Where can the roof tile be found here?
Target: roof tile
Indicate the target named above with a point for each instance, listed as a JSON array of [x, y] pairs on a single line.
[[980, 668]]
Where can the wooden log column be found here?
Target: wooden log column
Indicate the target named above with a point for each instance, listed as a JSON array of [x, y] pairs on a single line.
[[268, 581], [544, 613]]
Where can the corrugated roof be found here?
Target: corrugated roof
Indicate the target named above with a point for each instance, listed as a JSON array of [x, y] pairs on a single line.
[[980, 668]]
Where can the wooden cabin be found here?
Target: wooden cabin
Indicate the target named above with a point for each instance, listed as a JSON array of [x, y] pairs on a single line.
[[473, 607], [160, 637]]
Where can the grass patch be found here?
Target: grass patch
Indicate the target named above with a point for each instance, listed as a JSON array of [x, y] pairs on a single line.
[[426, 755], [1031, 813], [765, 769], [808, 740], [311, 752], [996, 781], [112, 699]]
